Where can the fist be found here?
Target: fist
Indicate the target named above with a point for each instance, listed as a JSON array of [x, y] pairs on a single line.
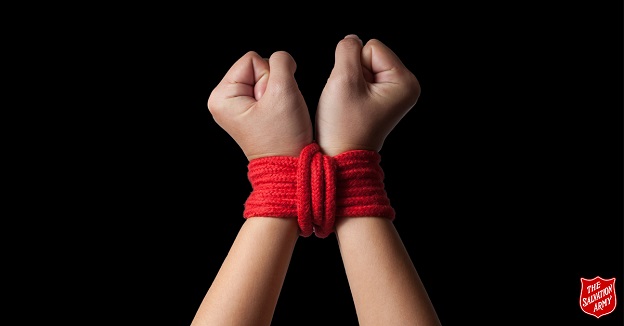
[[258, 103], [368, 92]]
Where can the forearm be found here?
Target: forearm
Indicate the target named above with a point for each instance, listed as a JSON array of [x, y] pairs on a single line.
[[384, 283], [246, 288]]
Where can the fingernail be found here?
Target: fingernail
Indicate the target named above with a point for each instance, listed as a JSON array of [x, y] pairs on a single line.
[[354, 36]]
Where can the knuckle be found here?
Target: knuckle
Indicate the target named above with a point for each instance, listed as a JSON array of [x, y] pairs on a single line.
[[213, 107], [282, 88], [349, 77], [410, 81]]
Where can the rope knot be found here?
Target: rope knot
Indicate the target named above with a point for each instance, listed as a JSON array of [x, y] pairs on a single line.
[[316, 188], [316, 192]]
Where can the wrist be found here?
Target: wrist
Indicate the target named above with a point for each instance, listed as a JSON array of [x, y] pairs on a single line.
[[274, 226], [314, 188], [345, 225], [342, 148]]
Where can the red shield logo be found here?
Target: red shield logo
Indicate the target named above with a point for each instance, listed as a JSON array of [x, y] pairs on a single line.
[[597, 296]]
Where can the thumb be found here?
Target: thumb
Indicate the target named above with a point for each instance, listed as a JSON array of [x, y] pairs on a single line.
[[282, 76], [348, 58]]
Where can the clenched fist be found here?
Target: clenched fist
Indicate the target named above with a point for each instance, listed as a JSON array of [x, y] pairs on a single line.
[[258, 103], [368, 91]]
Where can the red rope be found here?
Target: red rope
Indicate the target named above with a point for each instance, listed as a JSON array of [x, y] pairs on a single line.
[[315, 188]]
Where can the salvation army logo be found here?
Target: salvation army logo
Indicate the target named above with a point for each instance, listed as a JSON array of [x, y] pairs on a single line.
[[597, 296]]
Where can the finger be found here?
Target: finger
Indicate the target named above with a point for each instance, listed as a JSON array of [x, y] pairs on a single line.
[[379, 58], [243, 84], [348, 57], [247, 72]]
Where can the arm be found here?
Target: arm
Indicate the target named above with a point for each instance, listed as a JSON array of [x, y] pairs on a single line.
[[385, 285], [260, 106], [367, 94], [246, 288]]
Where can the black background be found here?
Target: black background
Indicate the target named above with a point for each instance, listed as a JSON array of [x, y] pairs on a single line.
[[506, 176]]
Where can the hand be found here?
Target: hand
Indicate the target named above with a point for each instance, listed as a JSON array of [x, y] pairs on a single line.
[[368, 92], [258, 103]]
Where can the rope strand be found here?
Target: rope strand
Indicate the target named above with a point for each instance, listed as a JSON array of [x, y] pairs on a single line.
[[316, 188]]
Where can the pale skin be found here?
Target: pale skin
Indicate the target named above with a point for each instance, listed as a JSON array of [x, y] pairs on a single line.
[[259, 104], [369, 85]]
